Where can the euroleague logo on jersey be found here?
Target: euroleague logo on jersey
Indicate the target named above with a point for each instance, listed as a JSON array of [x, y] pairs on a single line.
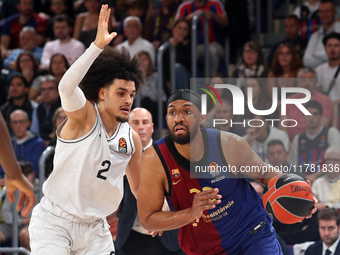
[[122, 145]]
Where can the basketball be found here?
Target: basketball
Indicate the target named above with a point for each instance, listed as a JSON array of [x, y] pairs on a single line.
[[288, 198]]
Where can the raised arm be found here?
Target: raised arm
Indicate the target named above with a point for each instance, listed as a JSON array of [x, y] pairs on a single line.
[[14, 179], [151, 191], [77, 108]]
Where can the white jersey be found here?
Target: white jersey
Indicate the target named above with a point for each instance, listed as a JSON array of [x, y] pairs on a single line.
[[87, 179]]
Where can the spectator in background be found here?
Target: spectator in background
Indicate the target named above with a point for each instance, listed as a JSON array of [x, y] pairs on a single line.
[[214, 12], [148, 93], [315, 52], [27, 65], [7, 212], [18, 98], [27, 145], [326, 189], [251, 65], [58, 117], [85, 28], [223, 112], [58, 67], [64, 43], [135, 43], [286, 65], [28, 42], [307, 150], [136, 8], [328, 73], [277, 154], [13, 25], [260, 97], [293, 38], [308, 14], [307, 79], [329, 228], [43, 114], [159, 22], [180, 39], [258, 137], [57, 7]]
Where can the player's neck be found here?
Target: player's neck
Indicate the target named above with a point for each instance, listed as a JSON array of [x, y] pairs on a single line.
[[109, 122]]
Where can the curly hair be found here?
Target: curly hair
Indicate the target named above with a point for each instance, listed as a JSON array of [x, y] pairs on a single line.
[[111, 64]]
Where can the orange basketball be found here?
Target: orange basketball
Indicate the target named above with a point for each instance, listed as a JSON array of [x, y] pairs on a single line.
[[288, 198]]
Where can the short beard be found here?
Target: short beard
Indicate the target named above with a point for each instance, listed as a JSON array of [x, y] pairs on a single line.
[[121, 119], [184, 139]]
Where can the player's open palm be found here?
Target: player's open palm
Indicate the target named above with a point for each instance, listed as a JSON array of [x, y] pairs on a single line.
[[204, 200], [103, 36]]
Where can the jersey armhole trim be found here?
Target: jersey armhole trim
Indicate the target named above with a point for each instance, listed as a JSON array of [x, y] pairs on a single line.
[[220, 150], [165, 167]]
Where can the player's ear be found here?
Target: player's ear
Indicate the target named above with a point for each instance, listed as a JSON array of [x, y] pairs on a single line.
[[101, 93], [202, 118]]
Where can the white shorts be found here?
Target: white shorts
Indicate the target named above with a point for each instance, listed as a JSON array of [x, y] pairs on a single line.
[[55, 232]]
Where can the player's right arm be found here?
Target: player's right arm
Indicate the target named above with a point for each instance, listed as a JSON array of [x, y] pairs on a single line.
[[150, 199], [80, 112]]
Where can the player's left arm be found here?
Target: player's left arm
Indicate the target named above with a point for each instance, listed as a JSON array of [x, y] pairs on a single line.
[[238, 153], [133, 168]]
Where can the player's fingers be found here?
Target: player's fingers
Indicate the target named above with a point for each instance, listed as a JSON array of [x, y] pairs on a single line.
[[203, 197], [207, 203], [29, 204], [10, 196], [22, 198], [108, 16], [160, 233]]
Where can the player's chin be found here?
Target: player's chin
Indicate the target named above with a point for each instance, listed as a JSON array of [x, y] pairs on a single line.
[[122, 118]]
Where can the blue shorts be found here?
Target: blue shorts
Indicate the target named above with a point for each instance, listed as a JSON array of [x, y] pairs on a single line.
[[263, 242]]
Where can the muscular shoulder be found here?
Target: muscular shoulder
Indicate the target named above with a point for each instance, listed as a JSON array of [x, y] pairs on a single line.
[[152, 168], [232, 141], [235, 149]]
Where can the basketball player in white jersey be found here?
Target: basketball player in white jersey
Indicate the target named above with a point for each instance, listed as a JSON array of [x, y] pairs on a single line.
[[95, 148]]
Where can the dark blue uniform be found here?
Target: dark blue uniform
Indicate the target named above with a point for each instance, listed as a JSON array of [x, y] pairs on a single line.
[[238, 225]]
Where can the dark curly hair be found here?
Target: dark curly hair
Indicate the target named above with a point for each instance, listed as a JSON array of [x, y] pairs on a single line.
[[111, 64]]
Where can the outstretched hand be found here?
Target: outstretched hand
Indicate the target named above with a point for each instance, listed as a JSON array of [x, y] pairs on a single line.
[[26, 193], [103, 36]]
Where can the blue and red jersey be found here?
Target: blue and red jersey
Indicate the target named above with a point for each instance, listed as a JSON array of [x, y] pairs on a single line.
[[312, 151], [12, 28], [228, 227], [214, 6]]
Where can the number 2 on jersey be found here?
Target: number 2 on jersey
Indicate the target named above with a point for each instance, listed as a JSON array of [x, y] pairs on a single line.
[[100, 172]]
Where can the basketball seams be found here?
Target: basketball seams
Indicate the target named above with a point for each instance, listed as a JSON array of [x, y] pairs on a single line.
[[290, 188], [282, 187], [284, 209]]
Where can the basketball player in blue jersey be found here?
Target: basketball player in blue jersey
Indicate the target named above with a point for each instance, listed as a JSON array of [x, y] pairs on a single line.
[[216, 215], [14, 179], [95, 149]]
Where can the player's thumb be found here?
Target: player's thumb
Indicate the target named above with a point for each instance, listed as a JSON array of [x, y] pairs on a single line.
[[113, 34]]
